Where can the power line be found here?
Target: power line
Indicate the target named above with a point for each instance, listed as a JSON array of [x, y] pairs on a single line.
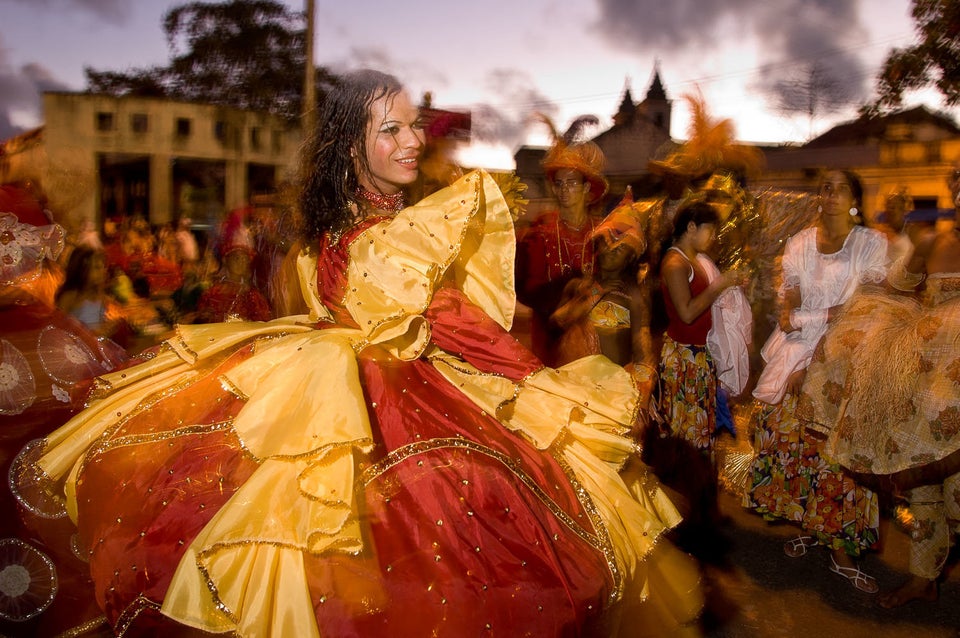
[[709, 79]]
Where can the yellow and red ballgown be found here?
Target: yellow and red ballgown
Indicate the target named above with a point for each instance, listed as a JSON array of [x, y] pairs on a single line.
[[393, 464]]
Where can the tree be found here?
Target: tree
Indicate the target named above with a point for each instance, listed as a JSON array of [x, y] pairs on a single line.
[[247, 54], [935, 59]]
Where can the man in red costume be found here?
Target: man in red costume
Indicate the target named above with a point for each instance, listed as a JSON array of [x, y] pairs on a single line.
[[557, 246]]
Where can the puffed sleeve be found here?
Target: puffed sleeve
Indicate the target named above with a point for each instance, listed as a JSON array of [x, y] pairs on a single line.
[[791, 263], [871, 255], [461, 235]]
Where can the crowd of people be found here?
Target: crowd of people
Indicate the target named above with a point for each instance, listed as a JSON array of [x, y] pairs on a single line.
[[237, 432]]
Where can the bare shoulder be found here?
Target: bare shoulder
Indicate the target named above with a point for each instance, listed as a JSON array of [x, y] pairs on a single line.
[[944, 255]]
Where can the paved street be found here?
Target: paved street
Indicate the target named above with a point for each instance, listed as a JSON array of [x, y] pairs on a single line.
[[757, 591]]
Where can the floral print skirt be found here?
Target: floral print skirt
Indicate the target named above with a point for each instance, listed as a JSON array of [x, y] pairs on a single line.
[[792, 479], [688, 394]]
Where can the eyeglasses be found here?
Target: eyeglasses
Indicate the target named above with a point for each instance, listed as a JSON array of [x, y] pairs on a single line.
[[560, 184]]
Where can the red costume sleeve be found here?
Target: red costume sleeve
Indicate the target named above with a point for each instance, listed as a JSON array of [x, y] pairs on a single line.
[[463, 329]]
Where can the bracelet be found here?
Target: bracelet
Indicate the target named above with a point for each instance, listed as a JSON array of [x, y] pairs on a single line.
[[902, 279], [644, 371]]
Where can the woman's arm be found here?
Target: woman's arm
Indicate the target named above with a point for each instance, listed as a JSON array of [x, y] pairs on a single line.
[[790, 301], [579, 297], [675, 272]]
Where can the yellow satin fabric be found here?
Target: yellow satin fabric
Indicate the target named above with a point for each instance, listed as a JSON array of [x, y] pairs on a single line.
[[306, 422]]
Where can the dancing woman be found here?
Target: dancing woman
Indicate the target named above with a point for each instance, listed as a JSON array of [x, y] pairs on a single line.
[[792, 478], [395, 463]]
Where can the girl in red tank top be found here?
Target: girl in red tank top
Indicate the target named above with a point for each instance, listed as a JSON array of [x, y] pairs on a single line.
[[688, 380]]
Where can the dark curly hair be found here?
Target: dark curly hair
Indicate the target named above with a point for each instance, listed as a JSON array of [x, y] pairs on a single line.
[[328, 173], [699, 212]]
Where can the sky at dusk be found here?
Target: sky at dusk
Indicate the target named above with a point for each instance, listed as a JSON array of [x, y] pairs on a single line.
[[506, 59]]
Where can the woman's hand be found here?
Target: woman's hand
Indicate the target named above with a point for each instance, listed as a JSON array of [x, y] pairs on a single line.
[[736, 277], [784, 321], [795, 382]]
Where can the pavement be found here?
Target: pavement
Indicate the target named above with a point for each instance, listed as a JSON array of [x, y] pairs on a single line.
[[755, 591]]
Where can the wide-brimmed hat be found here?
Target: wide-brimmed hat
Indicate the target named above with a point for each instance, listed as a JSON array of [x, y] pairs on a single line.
[[724, 183], [235, 234], [668, 160], [585, 157], [710, 147]]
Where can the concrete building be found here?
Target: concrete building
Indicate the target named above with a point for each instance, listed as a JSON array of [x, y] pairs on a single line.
[[99, 156], [913, 149]]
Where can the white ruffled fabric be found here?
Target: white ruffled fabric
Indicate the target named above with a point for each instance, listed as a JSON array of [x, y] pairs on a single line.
[[825, 281], [731, 333]]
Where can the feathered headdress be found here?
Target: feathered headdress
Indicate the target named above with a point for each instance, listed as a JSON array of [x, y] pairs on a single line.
[[583, 157], [711, 146]]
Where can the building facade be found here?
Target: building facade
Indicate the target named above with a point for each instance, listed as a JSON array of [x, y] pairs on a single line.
[[913, 149], [100, 156]]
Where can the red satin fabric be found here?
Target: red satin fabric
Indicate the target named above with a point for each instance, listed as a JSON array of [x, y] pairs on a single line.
[[471, 528]]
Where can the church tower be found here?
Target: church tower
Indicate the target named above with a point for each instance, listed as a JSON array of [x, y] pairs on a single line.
[[656, 107], [624, 114]]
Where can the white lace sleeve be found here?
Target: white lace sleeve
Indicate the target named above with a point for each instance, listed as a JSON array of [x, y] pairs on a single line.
[[871, 254], [791, 264]]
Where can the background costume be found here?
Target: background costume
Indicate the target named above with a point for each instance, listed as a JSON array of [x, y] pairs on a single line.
[[903, 351], [47, 359], [551, 252], [791, 478]]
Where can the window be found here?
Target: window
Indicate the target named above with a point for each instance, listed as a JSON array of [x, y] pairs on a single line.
[[138, 122], [183, 127], [104, 121], [220, 131], [255, 141]]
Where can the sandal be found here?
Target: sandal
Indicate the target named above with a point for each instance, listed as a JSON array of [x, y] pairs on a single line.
[[797, 547], [857, 578]]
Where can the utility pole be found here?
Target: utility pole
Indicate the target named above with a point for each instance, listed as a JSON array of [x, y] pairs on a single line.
[[310, 76]]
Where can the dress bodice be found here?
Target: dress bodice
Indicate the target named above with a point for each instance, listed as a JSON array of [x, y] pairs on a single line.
[[829, 279]]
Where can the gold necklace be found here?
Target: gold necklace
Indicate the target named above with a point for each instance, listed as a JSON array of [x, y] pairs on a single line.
[[566, 269]]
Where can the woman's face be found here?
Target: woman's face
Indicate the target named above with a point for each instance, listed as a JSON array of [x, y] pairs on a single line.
[[97, 271], [237, 263], [836, 196], [704, 236], [614, 259], [394, 142]]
